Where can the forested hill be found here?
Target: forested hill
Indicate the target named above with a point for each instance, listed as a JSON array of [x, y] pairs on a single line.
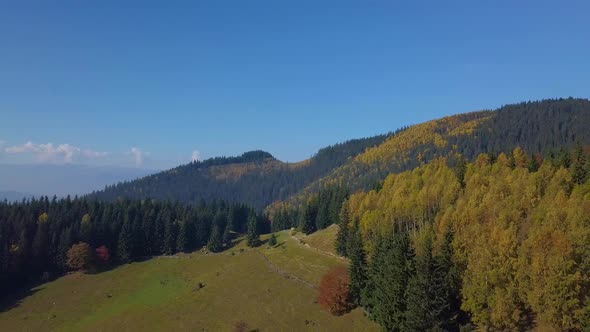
[[544, 127], [255, 178], [258, 179]]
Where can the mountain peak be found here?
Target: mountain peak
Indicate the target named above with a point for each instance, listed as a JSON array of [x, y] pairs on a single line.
[[256, 155]]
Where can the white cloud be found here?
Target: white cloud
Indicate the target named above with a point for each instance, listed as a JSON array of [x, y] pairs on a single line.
[[196, 155], [51, 153], [68, 151], [27, 147], [138, 155], [2, 142]]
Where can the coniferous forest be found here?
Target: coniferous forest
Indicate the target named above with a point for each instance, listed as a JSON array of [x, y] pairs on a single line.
[[36, 235]]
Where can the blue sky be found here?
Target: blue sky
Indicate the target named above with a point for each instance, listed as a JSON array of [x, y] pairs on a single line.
[[97, 80]]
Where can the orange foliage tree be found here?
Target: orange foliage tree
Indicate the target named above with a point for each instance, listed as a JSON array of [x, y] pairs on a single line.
[[334, 291], [79, 256]]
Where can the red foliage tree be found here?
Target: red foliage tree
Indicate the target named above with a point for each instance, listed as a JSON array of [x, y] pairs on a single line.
[[102, 254], [333, 292]]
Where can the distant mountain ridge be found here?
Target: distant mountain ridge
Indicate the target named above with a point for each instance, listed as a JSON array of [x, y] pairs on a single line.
[[258, 179], [255, 178]]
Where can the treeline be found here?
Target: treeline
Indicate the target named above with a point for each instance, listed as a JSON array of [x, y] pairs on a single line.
[[256, 178], [36, 235], [502, 243]]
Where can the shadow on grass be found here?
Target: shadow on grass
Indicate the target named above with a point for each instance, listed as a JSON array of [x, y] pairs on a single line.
[[15, 297], [279, 245]]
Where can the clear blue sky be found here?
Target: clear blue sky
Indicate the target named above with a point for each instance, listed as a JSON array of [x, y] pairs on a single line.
[[224, 77]]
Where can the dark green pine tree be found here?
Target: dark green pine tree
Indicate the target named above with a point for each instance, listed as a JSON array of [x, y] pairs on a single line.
[[40, 244], [342, 236], [170, 237], [358, 266], [125, 243], [227, 232], [253, 237], [308, 224], [65, 242], [425, 294], [579, 166], [351, 236], [451, 284], [322, 219], [215, 244], [182, 240], [564, 159], [389, 272]]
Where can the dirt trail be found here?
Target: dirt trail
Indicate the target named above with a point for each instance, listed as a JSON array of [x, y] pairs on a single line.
[[305, 245], [284, 273]]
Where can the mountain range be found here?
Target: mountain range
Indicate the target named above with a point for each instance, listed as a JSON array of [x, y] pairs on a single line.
[[260, 180]]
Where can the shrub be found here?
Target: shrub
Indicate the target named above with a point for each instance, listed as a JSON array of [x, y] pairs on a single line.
[[334, 291], [103, 255], [79, 256]]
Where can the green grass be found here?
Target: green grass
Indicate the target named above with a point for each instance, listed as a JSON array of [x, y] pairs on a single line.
[[322, 240], [161, 294]]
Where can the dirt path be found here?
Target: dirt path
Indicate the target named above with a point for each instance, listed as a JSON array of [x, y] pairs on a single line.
[[284, 273], [305, 245]]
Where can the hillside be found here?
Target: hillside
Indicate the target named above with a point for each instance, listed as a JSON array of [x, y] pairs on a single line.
[[256, 178], [241, 284], [542, 127]]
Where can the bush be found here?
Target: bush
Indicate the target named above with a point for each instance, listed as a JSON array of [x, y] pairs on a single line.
[[334, 291], [103, 255], [79, 256]]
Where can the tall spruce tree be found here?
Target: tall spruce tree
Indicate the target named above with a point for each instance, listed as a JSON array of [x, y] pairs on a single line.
[[253, 238], [389, 272], [170, 237], [229, 227], [125, 245], [425, 294], [40, 244], [579, 172], [182, 240], [342, 236], [358, 266], [308, 224], [215, 243], [451, 284]]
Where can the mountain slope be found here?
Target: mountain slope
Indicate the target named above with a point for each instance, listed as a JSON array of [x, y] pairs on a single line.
[[256, 178], [537, 127]]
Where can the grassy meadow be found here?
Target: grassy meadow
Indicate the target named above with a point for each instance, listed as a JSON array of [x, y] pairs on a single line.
[[270, 289]]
